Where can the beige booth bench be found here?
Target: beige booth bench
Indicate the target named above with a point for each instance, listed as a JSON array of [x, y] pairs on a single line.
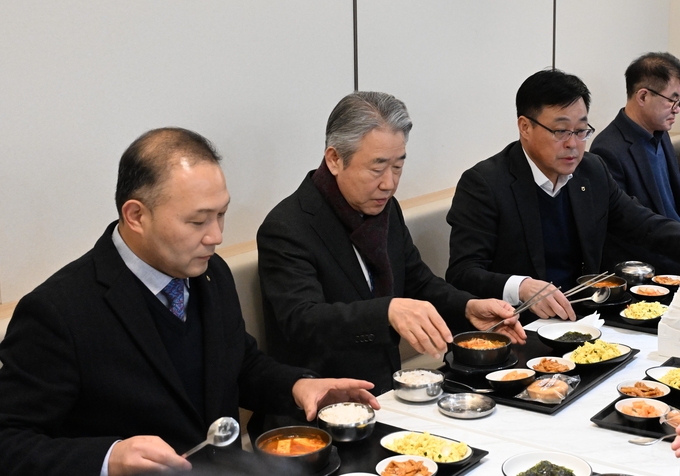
[[425, 216]]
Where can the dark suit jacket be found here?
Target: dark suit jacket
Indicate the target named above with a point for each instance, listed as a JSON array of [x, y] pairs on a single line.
[[84, 366], [318, 308], [621, 148], [496, 224]]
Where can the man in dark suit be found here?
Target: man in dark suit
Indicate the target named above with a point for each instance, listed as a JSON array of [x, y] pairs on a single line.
[[638, 152], [539, 211], [143, 335], [341, 279]]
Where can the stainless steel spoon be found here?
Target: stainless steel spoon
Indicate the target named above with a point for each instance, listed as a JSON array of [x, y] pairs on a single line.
[[222, 432], [650, 441], [598, 297], [476, 390]]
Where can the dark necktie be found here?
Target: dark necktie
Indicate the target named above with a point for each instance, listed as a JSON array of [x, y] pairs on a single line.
[[174, 291]]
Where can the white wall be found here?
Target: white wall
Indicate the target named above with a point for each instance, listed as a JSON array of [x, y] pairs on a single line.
[[79, 80]]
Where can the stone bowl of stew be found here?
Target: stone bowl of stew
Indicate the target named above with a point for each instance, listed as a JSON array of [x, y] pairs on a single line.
[[617, 287], [567, 336], [479, 348], [303, 449]]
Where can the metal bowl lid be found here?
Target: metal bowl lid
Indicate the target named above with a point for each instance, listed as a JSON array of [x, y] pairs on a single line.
[[635, 268]]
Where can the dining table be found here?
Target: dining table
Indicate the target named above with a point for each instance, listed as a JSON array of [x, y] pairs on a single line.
[[512, 430]]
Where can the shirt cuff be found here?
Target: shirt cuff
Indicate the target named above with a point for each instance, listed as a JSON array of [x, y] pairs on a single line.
[[105, 464], [511, 289]]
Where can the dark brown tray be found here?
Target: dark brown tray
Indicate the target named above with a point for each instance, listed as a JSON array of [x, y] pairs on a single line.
[[535, 348], [609, 418], [364, 455]]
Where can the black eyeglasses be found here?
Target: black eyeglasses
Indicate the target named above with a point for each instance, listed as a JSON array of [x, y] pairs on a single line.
[[674, 102], [564, 134]]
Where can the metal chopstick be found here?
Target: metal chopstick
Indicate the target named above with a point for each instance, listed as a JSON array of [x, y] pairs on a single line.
[[527, 304], [589, 283]]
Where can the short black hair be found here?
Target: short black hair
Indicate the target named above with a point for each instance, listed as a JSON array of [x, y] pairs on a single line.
[[550, 87], [653, 70], [145, 164]]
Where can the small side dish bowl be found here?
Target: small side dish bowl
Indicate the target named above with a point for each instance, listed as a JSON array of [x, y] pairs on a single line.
[[347, 421], [658, 389], [428, 463], [626, 408], [417, 385], [307, 462], [657, 373], [670, 281], [466, 406], [645, 312], [480, 357], [511, 380], [649, 292], [549, 333], [523, 462], [532, 363]]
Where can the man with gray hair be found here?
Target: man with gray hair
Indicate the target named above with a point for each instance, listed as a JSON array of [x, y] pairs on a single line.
[[341, 279], [638, 152]]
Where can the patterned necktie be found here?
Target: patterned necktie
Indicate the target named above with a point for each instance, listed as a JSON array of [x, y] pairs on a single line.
[[174, 291]]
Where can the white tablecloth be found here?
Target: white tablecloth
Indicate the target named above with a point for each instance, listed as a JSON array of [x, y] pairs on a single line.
[[510, 431]]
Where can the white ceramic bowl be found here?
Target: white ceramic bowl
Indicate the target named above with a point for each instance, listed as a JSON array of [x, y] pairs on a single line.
[[660, 406], [657, 373], [429, 464], [550, 332], [644, 292], [531, 363], [665, 389], [522, 462]]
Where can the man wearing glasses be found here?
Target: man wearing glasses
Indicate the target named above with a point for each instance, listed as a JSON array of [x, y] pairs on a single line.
[[539, 211], [638, 152]]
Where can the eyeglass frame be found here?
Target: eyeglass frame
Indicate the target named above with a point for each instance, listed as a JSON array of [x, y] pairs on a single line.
[[589, 132], [674, 101]]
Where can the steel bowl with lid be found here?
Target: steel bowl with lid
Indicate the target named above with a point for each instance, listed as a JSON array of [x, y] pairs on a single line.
[[635, 272]]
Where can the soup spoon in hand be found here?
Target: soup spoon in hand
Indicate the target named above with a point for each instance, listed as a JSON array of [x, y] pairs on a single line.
[[649, 441], [222, 432], [476, 390]]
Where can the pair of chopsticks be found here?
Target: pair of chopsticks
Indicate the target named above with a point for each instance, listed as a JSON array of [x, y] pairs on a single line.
[[589, 283], [536, 298]]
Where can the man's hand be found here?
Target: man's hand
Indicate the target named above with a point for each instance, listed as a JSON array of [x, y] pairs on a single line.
[[141, 454], [483, 313], [554, 305], [421, 325], [675, 446], [312, 394]]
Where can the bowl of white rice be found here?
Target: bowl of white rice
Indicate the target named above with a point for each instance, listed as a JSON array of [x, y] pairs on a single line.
[[347, 421], [418, 385]]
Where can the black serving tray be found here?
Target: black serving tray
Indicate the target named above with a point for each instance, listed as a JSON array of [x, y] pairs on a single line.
[[609, 418], [590, 377], [364, 455], [610, 313]]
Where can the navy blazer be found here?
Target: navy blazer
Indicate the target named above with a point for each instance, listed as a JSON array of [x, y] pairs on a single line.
[[622, 150], [318, 308], [85, 366], [496, 223]]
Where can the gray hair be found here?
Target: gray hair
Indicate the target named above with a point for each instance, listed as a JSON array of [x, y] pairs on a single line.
[[359, 113]]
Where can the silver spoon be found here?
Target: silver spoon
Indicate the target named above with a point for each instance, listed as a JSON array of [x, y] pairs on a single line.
[[476, 390], [222, 432], [599, 296], [650, 441]]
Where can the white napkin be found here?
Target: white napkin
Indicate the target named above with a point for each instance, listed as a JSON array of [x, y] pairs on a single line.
[[590, 320], [669, 329]]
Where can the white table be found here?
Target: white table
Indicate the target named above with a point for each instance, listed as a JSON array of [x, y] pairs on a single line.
[[510, 431]]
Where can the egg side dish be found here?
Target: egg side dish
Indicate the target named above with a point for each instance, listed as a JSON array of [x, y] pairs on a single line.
[[435, 448], [592, 353], [672, 379], [644, 310]]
